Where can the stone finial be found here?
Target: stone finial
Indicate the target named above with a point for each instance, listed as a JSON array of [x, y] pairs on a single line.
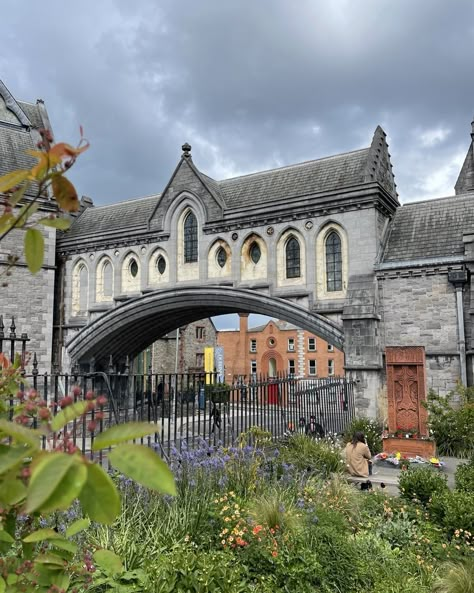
[[472, 129], [186, 150]]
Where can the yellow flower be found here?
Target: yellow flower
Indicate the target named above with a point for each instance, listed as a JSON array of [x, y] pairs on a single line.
[[226, 519]]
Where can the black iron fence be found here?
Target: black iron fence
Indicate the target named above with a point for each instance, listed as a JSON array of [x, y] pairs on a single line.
[[190, 407]]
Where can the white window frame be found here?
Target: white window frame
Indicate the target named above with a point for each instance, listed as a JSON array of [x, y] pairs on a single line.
[[330, 348], [331, 367], [253, 345], [291, 366], [312, 367], [291, 344], [253, 367], [314, 344]]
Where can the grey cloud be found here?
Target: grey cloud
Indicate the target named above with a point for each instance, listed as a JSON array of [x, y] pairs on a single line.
[[250, 84]]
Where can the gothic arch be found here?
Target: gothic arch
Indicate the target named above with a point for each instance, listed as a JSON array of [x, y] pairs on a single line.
[[219, 259], [158, 268], [188, 268], [80, 289], [253, 258], [104, 280], [282, 258], [130, 273], [324, 288]]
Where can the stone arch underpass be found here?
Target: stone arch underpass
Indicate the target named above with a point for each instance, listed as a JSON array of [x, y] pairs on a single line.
[[129, 328]]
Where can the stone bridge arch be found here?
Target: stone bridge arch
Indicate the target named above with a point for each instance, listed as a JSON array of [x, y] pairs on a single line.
[[131, 327]]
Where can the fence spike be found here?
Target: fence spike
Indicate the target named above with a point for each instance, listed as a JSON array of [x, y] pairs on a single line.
[[13, 328]]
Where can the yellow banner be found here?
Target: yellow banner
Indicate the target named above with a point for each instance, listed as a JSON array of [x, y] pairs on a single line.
[[208, 363]]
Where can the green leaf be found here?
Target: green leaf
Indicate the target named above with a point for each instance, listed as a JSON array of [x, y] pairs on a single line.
[[46, 476], [12, 491], [3, 585], [77, 527], [61, 224], [41, 535], [69, 414], [26, 212], [108, 562], [144, 466], [13, 178], [20, 433], [99, 497], [69, 489], [34, 250], [121, 433], [13, 457], [6, 222], [17, 196], [49, 559], [61, 580], [6, 537], [64, 544]]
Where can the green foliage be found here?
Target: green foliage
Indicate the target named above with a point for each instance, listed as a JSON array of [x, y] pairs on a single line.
[[372, 430], [275, 509], [186, 570], [456, 577], [451, 421], [319, 456], [420, 483], [453, 510], [464, 477]]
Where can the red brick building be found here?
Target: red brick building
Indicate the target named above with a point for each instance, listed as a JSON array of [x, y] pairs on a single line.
[[277, 347]]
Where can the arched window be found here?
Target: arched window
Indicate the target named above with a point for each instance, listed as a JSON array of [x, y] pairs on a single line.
[[107, 279], [255, 252], [333, 262], [133, 268], [190, 238], [293, 260], [83, 288], [221, 257], [161, 265]]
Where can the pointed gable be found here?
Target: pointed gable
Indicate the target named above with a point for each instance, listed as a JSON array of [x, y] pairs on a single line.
[[379, 166], [187, 178], [465, 181]]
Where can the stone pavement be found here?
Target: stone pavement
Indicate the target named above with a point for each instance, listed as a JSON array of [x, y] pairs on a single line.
[[383, 473]]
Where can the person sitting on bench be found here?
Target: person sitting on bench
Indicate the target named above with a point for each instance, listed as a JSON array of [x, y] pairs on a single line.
[[358, 456]]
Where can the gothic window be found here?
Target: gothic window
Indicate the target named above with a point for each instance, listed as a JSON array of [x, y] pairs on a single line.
[[221, 257], [107, 280], [293, 260], [255, 252], [133, 268], [333, 262], [190, 238], [161, 265], [83, 288]]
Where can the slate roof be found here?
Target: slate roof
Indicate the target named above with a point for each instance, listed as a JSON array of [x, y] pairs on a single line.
[[310, 177], [428, 229], [32, 113], [13, 144], [114, 217]]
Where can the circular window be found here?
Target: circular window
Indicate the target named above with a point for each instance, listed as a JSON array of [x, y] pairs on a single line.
[[221, 257], [133, 267], [161, 265], [255, 253], [271, 342]]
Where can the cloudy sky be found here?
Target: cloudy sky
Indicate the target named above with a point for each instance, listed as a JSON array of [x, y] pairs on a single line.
[[251, 84]]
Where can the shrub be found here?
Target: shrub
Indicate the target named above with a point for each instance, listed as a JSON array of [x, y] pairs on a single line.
[[456, 578], [453, 511], [196, 571], [319, 456], [464, 476], [372, 430], [420, 483], [452, 427]]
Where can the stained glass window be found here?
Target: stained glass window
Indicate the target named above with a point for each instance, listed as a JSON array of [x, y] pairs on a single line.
[[190, 239], [255, 253], [333, 262], [161, 265], [221, 257], [293, 261]]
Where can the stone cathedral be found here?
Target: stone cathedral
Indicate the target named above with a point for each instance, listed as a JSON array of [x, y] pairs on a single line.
[[324, 244]]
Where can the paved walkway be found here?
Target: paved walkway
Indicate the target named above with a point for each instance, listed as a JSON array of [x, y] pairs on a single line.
[[388, 475]]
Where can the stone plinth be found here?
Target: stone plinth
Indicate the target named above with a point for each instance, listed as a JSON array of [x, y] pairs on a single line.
[[410, 447]]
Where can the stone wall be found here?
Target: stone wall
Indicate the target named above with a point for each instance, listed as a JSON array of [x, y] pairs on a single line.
[[419, 309]]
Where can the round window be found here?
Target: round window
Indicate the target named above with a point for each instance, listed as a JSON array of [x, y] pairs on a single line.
[[271, 342], [133, 267], [161, 265], [255, 253], [221, 257]]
